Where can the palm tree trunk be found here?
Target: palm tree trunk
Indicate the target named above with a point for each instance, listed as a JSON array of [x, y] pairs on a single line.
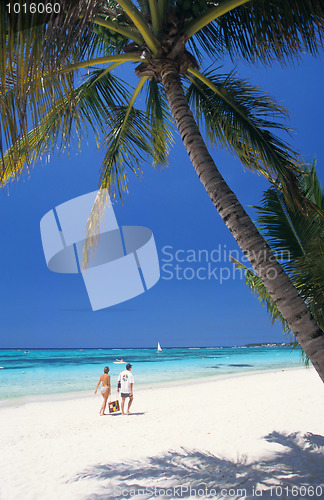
[[259, 254]]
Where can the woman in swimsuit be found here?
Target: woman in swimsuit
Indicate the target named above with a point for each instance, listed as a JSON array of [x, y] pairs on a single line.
[[105, 389]]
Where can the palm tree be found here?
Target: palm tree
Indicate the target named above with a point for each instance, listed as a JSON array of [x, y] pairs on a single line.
[[39, 62], [297, 238]]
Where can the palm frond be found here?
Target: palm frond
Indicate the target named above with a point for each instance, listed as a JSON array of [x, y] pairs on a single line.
[[23, 104], [308, 275], [311, 187], [127, 145], [163, 8], [297, 238], [42, 42], [209, 41], [100, 60], [139, 21], [155, 16], [255, 285], [134, 136], [211, 11], [160, 120], [116, 28], [71, 21], [240, 117], [286, 228], [263, 31], [29, 81], [93, 100]]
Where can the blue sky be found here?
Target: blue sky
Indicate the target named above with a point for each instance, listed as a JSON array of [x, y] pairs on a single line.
[[40, 308]]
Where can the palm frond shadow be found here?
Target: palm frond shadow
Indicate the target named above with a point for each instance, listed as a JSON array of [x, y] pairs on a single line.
[[299, 463]]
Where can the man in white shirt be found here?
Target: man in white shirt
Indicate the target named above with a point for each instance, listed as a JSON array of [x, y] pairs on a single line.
[[125, 386]]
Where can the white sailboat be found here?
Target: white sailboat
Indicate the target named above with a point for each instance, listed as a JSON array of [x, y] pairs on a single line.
[[159, 348]]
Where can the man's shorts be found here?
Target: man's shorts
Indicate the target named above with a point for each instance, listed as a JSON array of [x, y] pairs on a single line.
[[125, 394]]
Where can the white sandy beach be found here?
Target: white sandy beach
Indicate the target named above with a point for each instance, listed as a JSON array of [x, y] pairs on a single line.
[[235, 436]]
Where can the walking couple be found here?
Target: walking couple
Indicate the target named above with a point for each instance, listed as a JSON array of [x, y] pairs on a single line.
[[125, 385]]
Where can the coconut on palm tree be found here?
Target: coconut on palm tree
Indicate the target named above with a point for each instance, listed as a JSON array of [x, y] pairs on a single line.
[[43, 102]]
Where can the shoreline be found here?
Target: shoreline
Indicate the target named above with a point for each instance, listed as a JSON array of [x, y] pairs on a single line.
[[71, 396]]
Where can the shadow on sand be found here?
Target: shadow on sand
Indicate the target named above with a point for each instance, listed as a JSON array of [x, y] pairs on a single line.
[[118, 414], [299, 465]]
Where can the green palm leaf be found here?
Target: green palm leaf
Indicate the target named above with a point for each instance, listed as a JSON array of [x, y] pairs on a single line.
[[263, 31], [33, 56], [287, 229], [211, 40], [39, 44], [93, 101], [254, 283], [240, 117], [135, 135], [160, 122], [308, 276], [297, 238], [127, 144], [256, 286]]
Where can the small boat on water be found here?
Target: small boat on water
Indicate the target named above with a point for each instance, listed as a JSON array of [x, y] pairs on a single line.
[[159, 348], [119, 361]]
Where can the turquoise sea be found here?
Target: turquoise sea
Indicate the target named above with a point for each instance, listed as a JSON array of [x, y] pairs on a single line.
[[48, 372]]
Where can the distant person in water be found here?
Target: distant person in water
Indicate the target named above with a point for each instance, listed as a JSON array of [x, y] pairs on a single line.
[[105, 389], [125, 385]]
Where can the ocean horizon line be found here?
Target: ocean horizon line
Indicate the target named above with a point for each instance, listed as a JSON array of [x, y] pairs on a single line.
[[253, 344]]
